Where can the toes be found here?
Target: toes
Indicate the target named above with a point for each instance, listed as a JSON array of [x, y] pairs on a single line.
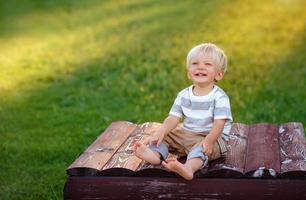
[[136, 146], [171, 160], [164, 164]]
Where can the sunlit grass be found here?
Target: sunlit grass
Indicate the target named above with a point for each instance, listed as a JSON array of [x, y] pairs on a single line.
[[40, 54], [68, 69]]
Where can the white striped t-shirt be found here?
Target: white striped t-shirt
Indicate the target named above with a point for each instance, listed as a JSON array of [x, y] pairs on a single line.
[[199, 112]]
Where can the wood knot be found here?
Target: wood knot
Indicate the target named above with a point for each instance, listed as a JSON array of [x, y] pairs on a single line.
[[105, 149]]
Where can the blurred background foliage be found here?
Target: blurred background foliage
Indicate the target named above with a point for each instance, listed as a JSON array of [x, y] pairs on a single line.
[[70, 68]]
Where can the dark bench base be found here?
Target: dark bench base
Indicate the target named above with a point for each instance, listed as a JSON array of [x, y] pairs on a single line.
[[99, 187]]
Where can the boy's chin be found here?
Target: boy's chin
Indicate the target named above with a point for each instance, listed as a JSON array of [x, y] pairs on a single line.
[[202, 85]]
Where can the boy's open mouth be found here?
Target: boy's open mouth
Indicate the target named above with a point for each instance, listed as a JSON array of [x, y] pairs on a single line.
[[200, 74]]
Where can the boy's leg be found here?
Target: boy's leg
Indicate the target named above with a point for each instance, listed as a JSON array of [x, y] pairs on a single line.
[[195, 161], [151, 154], [185, 170]]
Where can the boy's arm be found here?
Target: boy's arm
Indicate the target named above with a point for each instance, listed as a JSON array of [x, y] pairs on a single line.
[[211, 138], [169, 123]]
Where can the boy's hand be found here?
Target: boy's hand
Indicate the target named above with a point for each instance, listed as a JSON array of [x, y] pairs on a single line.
[[211, 138], [169, 123], [208, 147], [155, 139]]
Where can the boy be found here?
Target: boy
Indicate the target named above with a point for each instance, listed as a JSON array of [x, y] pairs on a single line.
[[207, 117]]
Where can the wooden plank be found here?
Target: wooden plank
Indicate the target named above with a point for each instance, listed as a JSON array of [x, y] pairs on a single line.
[[103, 148], [264, 147], [125, 157], [263, 150], [293, 148], [176, 188], [125, 152], [233, 164]]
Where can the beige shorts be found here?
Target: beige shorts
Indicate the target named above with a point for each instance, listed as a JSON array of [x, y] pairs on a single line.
[[182, 142]]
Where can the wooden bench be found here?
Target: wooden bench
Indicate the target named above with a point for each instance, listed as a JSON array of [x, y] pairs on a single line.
[[263, 161]]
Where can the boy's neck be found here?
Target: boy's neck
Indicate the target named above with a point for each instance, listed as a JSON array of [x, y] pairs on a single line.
[[202, 90]]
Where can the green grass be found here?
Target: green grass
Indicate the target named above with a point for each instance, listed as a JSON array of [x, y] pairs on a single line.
[[70, 68]]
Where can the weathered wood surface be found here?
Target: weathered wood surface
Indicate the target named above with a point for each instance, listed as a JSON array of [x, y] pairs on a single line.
[[260, 150], [233, 164], [292, 149], [125, 157], [101, 151], [93, 187]]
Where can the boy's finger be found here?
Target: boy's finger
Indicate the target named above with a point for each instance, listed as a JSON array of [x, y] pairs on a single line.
[[149, 142], [204, 149], [158, 142]]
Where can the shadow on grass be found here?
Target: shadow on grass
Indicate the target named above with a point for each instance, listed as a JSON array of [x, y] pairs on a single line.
[[46, 128], [15, 15]]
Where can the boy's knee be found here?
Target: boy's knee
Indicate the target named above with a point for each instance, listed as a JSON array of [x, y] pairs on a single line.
[[197, 152], [162, 149]]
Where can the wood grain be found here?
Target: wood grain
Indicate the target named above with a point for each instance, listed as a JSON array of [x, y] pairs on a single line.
[[292, 147], [104, 147], [152, 188], [125, 156], [258, 150], [263, 150], [235, 160]]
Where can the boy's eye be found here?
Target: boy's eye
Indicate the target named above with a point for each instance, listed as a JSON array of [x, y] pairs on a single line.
[[194, 63]]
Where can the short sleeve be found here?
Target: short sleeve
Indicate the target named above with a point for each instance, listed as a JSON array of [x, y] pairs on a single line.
[[176, 109], [222, 108]]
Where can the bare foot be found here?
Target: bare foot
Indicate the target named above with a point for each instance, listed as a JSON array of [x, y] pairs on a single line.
[[174, 165], [145, 153]]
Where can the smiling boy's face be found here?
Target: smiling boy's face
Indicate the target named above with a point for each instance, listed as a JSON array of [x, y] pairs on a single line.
[[203, 71]]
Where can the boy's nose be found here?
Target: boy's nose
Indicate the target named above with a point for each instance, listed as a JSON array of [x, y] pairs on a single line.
[[201, 66]]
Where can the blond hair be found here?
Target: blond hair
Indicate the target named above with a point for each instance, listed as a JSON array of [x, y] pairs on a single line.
[[209, 50]]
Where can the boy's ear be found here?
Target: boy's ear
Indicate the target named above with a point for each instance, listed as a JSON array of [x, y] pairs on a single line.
[[219, 76]]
